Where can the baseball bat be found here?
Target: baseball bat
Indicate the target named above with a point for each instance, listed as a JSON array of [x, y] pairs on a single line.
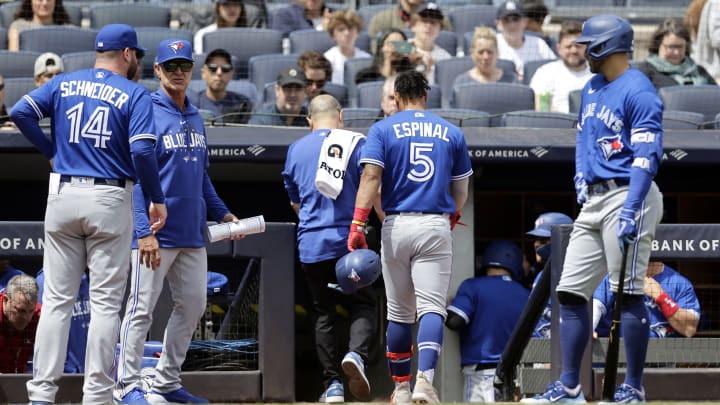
[[611, 357]]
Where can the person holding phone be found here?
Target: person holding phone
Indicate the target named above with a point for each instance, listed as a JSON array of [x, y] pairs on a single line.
[[394, 55]]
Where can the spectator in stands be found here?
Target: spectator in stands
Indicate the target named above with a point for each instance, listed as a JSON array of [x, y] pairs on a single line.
[[397, 18], [537, 14], [388, 105], [79, 322], [388, 61], [18, 323], [5, 122], [707, 47], [7, 271], [484, 52], [227, 106], [553, 81], [289, 106], [670, 298], [669, 62], [513, 43], [692, 18], [301, 15], [47, 66], [318, 71], [426, 25], [344, 27], [35, 14], [228, 14]]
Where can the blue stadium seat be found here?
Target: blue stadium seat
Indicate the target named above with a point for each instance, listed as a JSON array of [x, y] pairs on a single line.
[[494, 98], [135, 14], [17, 64], [310, 39], [538, 119], [265, 68], [3, 38], [60, 39], [78, 60], [466, 18], [445, 73], [244, 43], [529, 68], [16, 88], [462, 117], [363, 41], [673, 119], [574, 101], [352, 67], [700, 99]]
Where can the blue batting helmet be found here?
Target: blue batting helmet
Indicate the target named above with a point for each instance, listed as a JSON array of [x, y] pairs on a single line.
[[606, 35], [357, 269], [545, 221], [504, 254]]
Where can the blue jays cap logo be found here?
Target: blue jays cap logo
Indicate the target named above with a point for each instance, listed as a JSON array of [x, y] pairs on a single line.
[[335, 151], [176, 46], [610, 145], [354, 276]]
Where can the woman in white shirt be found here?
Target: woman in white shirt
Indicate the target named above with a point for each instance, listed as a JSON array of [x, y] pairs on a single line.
[[344, 27], [228, 14]]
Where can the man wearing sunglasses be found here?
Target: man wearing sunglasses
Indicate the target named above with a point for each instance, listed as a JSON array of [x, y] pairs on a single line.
[[289, 106], [183, 159], [227, 106], [47, 66]]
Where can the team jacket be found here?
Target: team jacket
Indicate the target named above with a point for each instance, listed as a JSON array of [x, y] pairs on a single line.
[[183, 160], [16, 347]]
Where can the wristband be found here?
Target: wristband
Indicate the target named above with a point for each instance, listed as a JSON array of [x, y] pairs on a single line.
[[667, 305], [360, 216]]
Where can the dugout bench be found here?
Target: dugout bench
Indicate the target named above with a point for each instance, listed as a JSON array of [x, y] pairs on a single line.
[[271, 382], [698, 359]]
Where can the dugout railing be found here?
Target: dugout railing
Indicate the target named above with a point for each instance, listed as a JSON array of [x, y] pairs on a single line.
[[271, 382], [676, 368]]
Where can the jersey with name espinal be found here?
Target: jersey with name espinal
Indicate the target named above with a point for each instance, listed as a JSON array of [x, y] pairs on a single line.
[[91, 125], [420, 154]]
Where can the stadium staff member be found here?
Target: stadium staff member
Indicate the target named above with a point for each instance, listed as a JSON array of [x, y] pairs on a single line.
[[618, 152], [422, 163], [18, 323], [102, 141]]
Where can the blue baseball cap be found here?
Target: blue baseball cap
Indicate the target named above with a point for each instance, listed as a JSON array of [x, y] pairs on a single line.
[[170, 49], [117, 36]]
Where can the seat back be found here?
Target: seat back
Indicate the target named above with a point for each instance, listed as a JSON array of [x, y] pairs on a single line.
[[352, 67], [135, 14], [701, 99], [60, 39], [529, 68], [463, 118], [78, 60], [466, 18], [574, 101], [17, 64], [673, 119], [494, 98], [360, 117], [445, 73], [310, 39], [244, 43], [16, 88], [538, 119], [266, 68]]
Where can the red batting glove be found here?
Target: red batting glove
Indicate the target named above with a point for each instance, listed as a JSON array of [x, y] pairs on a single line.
[[455, 219], [356, 238]]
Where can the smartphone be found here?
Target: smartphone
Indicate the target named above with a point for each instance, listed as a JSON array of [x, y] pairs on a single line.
[[403, 47]]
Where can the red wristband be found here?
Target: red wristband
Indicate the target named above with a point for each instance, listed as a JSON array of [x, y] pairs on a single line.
[[667, 305], [361, 215]]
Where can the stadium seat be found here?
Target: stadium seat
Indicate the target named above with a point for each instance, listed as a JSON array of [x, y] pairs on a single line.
[[369, 95], [3, 38], [150, 37], [700, 99], [352, 67], [506, 65], [16, 88], [78, 60], [538, 119], [310, 39], [445, 73], [673, 119], [360, 117], [17, 64], [60, 39], [135, 14], [244, 43], [363, 41], [574, 101], [466, 18], [494, 98], [264, 69], [529, 68], [447, 40], [462, 117]]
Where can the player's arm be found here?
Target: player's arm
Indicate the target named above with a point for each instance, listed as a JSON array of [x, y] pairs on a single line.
[[684, 321], [366, 195], [713, 19], [26, 115], [148, 245], [461, 308], [290, 185], [459, 192], [218, 210]]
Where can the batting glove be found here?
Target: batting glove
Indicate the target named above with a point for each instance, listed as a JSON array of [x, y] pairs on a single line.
[[356, 237], [454, 220], [627, 228], [580, 189]]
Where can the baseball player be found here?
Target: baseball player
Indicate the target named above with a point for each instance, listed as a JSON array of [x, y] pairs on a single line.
[[183, 159], [322, 240], [102, 139], [670, 298], [422, 162], [618, 151], [485, 311]]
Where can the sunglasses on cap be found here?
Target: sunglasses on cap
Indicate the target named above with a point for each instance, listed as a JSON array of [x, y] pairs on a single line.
[[225, 67], [172, 66]]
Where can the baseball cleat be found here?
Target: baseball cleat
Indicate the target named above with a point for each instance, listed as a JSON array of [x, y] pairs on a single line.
[[334, 394], [40, 403], [424, 392], [557, 392], [402, 394], [354, 368], [627, 394], [136, 396], [179, 396]]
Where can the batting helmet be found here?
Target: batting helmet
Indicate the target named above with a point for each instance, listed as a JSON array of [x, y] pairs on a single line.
[[545, 221], [357, 269], [606, 35], [504, 254]]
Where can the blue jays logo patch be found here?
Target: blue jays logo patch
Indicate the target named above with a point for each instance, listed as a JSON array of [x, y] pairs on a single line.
[[610, 145], [335, 151], [176, 46], [354, 276]]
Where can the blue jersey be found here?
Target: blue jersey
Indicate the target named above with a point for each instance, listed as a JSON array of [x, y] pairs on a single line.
[[420, 154], [91, 127], [619, 128], [7, 275], [323, 231], [79, 322], [679, 288], [490, 306], [183, 161], [543, 326]]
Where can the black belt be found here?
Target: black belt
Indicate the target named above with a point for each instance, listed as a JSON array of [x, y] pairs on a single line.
[[412, 212], [605, 186], [485, 366], [65, 178]]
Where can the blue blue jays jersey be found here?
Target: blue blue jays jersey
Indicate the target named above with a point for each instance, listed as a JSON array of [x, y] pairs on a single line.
[[420, 154], [679, 288], [91, 127], [79, 322], [490, 306], [619, 127], [322, 232], [183, 160]]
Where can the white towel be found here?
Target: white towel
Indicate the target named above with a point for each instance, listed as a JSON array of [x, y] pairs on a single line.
[[335, 153]]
